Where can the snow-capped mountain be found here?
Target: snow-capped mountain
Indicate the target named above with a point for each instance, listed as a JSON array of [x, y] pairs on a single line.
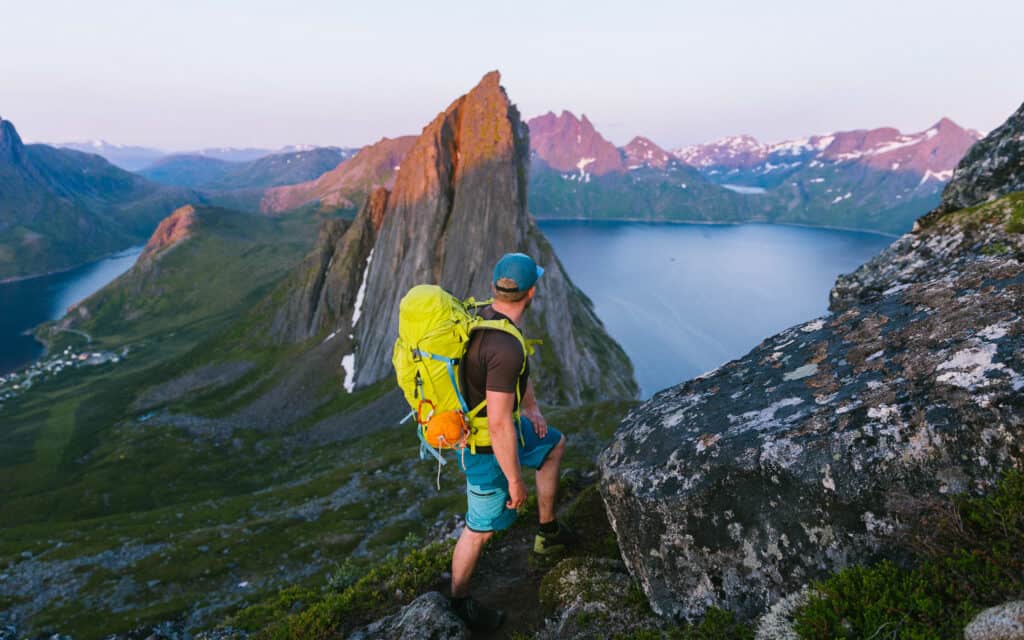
[[642, 152], [931, 154], [572, 145], [873, 179], [128, 157]]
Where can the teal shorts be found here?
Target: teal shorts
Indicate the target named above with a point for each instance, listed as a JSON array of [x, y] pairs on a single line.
[[487, 486]]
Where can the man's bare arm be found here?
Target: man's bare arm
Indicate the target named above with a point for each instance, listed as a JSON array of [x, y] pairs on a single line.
[[531, 410], [503, 440]]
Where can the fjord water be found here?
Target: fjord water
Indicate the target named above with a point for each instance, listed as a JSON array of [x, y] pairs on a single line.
[[682, 299], [27, 303]]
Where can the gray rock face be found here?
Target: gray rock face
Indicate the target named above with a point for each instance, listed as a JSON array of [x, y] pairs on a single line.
[[811, 452], [1005, 622], [992, 168], [459, 204], [428, 617], [324, 289]]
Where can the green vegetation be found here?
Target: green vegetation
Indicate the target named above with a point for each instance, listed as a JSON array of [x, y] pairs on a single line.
[[325, 614], [970, 558], [1015, 222], [996, 249], [1009, 210]]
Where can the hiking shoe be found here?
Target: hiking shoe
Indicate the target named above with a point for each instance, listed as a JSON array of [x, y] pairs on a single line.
[[549, 543], [477, 616]]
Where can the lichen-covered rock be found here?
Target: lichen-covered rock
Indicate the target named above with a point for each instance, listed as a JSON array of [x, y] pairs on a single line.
[[822, 445], [777, 623], [591, 598], [946, 246], [428, 617], [993, 168], [1005, 622]]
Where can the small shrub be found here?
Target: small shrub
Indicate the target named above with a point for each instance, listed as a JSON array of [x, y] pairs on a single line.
[[718, 624], [344, 575], [386, 587], [1016, 222], [971, 557], [996, 249]]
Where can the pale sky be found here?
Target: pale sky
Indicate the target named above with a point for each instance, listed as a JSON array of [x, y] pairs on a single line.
[[191, 73]]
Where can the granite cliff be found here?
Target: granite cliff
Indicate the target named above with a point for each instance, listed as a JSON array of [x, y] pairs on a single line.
[[825, 444]]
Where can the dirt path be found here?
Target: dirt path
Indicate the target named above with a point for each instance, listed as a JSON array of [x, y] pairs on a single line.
[[507, 579]]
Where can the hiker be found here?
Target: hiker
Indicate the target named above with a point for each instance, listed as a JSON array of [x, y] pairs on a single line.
[[495, 369]]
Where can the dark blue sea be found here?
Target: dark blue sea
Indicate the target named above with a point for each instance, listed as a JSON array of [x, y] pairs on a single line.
[[682, 299], [27, 303]]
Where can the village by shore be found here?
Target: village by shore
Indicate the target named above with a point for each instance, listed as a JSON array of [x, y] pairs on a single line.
[[15, 383]]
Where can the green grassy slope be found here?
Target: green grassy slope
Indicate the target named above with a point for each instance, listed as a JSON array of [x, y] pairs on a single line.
[[63, 208]]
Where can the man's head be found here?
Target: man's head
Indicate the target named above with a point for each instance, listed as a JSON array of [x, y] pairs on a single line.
[[514, 277]]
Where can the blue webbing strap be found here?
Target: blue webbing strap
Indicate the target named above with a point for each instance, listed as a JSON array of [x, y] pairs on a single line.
[[424, 445], [450, 363]]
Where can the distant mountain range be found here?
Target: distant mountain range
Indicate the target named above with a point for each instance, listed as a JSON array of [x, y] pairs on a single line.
[[134, 158], [348, 185], [60, 207], [876, 180], [210, 173], [128, 157], [66, 206]]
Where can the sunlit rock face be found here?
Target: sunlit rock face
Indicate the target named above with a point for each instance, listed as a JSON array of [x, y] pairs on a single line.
[[820, 447], [459, 203]]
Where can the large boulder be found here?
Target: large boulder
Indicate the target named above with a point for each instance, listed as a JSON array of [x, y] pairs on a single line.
[[820, 447]]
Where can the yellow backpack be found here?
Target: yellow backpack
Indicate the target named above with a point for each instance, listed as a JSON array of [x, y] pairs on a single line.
[[434, 328]]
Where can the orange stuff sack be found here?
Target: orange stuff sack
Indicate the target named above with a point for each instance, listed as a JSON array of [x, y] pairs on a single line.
[[447, 430]]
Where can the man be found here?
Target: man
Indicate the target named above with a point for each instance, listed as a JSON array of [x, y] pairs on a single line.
[[494, 368]]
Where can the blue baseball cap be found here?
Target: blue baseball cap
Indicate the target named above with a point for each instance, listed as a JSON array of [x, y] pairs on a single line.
[[520, 269]]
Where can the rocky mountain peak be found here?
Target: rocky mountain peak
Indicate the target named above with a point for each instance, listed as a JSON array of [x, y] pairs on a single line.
[[931, 153], [173, 229], [458, 204], [346, 185], [10, 142], [642, 152], [570, 144], [742, 151]]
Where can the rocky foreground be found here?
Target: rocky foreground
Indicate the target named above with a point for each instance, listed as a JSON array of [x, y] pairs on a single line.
[[825, 444]]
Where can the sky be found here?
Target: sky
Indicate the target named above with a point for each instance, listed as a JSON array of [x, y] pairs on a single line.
[[190, 73]]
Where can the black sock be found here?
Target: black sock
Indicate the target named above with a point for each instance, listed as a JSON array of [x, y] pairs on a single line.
[[549, 527], [459, 600]]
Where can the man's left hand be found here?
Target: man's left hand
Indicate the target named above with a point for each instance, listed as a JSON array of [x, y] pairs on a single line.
[[540, 425]]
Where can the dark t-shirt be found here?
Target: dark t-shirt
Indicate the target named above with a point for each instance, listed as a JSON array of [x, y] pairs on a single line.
[[492, 362]]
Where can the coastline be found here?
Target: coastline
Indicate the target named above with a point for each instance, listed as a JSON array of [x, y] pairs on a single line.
[[106, 256], [713, 223]]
